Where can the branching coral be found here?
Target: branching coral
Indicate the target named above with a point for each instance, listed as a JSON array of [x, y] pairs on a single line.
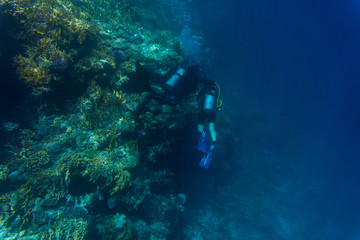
[[102, 141], [75, 229], [34, 66], [106, 173], [50, 29], [114, 12], [56, 18], [36, 162], [121, 179], [116, 227]]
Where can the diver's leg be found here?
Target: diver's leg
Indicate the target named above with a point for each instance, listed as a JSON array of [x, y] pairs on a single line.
[[202, 140], [201, 128], [205, 161], [201, 121], [212, 131]]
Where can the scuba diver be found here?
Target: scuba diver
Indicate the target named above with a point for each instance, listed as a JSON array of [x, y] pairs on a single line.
[[179, 83], [176, 85], [185, 81], [208, 102]]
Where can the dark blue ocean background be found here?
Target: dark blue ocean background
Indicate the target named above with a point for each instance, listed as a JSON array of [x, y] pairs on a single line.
[[287, 161], [289, 72]]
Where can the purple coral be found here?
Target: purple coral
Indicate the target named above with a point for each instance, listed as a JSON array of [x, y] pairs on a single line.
[[59, 65], [119, 55]]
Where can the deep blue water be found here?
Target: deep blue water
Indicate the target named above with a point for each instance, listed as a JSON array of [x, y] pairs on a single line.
[[290, 76]]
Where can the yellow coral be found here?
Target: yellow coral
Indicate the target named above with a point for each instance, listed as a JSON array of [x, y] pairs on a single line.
[[28, 69], [36, 162], [46, 26], [122, 178]]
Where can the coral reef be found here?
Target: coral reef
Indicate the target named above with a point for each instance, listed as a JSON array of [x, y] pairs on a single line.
[[102, 152], [50, 30], [36, 162]]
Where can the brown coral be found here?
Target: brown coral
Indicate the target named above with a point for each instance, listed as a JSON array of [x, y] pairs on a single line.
[[50, 30]]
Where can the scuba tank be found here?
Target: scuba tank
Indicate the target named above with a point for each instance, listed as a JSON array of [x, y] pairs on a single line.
[[210, 100], [174, 80]]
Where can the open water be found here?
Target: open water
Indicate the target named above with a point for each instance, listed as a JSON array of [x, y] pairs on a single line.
[[286, 164], [290, 76]]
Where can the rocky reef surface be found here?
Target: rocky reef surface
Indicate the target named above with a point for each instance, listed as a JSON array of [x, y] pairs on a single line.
[[86, 164]]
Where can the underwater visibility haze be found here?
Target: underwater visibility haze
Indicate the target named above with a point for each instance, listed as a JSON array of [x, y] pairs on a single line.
[[100, 112]]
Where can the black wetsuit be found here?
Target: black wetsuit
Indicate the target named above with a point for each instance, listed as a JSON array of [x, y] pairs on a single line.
[[187, 84]]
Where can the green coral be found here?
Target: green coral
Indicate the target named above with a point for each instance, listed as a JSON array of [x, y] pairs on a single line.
[[74, 229], [108, 129], [51, 30], [117, 227], [36, 162]]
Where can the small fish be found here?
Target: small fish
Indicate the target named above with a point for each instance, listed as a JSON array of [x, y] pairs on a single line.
[[10, 126]]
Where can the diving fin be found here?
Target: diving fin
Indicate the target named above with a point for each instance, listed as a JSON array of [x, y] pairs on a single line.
[[202, 143], [206, 160]]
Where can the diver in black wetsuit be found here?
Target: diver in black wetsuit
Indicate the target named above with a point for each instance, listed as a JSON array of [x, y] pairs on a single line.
[[185, 81], [178, 84], [207, 102]]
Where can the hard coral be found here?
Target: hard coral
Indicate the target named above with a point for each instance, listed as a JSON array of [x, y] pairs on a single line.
[[36, 162], [50, 30], [110, 139], [33, 67], [122, 179]]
